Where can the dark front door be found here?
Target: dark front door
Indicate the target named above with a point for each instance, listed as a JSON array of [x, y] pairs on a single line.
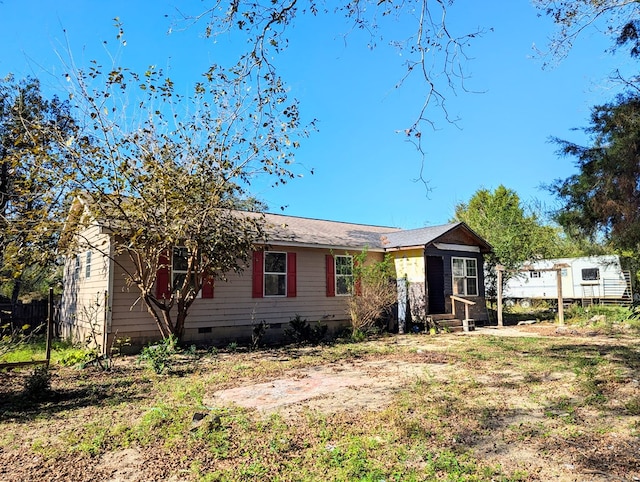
[[435, 284]]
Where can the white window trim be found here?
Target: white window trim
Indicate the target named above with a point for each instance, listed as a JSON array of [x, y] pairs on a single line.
[[265, 273], [336, 275], [77, 267], [465, 276], [173, 272], [87, 265]]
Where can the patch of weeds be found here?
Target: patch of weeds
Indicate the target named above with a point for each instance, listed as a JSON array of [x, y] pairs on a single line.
[[633, 323], [93, 440], [44, 448], [76, 357], [163, 422], [586, 369], [123, 434], [358, 336], [35, 349], [215, 434], [473, 354], [232, 347], [158, 355], [527, 431], [564, 409], [633, 406], [241, 367], [352, 461], [276, 433], [450, 465], [98, 436], [253, 469], [258, 332], [38, 385], [184, 390]]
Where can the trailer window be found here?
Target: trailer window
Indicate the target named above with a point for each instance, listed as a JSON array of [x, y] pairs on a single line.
[[535, 274], [590, 274]]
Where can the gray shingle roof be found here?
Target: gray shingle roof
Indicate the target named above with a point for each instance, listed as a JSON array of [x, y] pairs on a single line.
[[292, 230], [317, 232], [417, 237]]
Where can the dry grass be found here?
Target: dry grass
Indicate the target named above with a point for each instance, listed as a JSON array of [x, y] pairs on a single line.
[[446, 407]]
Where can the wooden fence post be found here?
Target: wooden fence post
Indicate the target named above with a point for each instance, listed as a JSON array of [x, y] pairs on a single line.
[[560, 299], [50, 315], [499, 269]]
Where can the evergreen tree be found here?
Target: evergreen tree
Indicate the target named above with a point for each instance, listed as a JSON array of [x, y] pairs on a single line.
[[603, 198]]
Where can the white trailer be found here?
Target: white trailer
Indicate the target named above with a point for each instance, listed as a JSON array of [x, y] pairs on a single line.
[[592, 279]]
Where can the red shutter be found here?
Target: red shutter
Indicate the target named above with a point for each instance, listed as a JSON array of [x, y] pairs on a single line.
[[291, 275], [258, 274], [331, 276], [163, 284], [207, 287]]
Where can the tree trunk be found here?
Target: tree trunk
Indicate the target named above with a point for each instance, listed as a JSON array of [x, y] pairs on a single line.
[[181, 317], [164, 323], [15, 292]]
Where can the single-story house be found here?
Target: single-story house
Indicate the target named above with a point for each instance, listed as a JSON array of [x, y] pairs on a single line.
[[303, 270]]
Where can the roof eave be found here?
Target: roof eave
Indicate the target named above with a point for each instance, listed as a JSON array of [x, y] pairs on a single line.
[[293, 244]]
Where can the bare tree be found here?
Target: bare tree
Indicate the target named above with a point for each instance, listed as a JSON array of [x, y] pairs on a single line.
[[618, 19], [434, 53], [167, 173]]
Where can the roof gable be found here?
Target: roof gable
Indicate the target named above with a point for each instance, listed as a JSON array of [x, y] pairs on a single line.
[[458, 233]]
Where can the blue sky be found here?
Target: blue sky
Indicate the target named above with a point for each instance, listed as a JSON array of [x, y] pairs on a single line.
[[364, 171]]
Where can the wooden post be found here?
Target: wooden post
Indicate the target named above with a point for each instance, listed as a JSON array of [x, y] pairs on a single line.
[[403, 295], [49, 327], [560, 300], [499, 269]]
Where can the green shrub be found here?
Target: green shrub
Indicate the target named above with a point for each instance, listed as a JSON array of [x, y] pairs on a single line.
[[302, 332], [38, 385], [158, 355]]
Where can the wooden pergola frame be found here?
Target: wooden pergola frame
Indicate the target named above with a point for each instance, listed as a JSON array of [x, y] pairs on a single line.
[[558, 267]]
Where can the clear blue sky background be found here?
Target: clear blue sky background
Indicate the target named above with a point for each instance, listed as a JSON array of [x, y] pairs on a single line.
[[364, 170]]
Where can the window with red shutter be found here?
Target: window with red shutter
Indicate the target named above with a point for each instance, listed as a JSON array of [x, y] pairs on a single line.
[[257, 273], [330, 275], [163, 287], [207, 287], [292, 281], [274, 274]]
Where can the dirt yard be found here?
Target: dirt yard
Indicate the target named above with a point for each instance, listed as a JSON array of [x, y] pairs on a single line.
[[521, 403]]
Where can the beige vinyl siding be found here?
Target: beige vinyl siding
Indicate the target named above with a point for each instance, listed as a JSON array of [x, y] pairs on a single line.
[[84, 299], [232, 312]]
